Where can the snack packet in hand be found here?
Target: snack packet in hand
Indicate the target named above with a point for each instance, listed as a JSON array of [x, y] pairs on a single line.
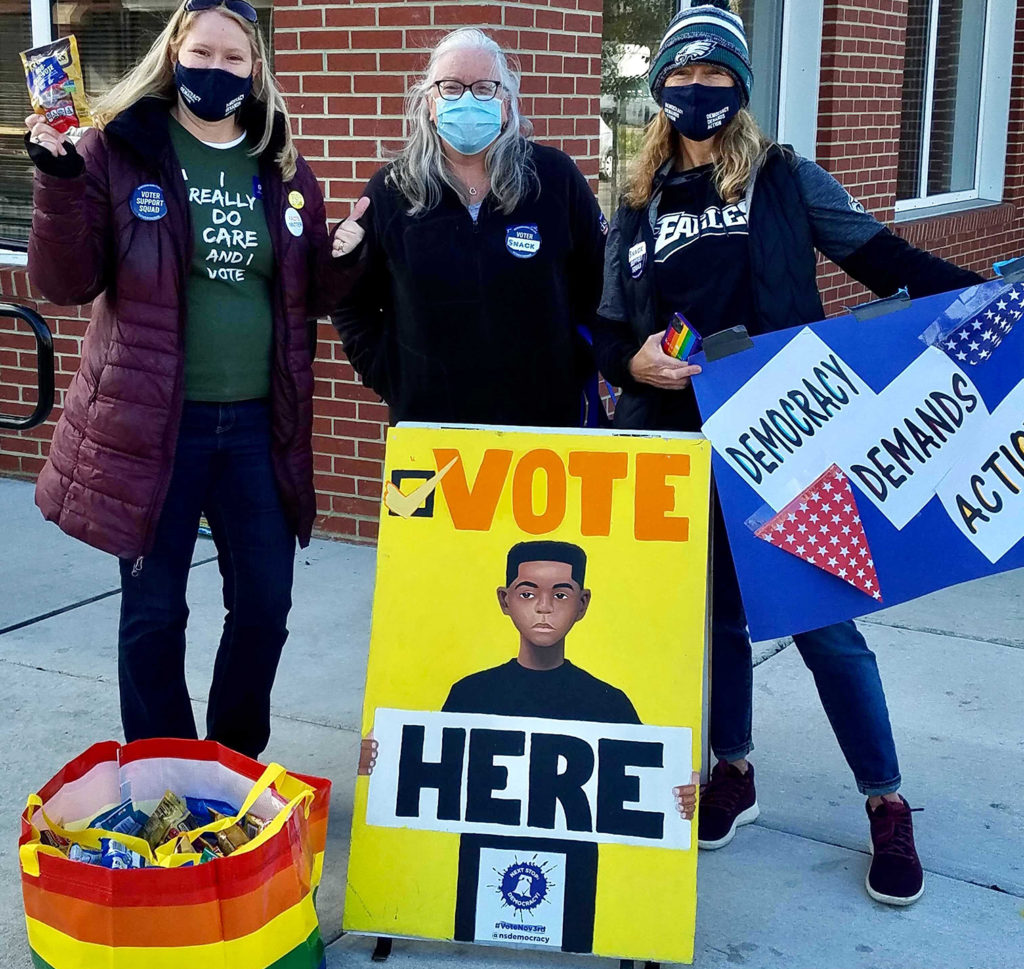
[[54, 76]]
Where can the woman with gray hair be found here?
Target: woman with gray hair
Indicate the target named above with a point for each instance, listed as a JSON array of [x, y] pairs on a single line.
[[481, 254]]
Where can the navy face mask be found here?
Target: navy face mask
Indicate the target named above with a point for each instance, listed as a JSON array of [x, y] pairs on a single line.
[[210, 93], [700, 111]]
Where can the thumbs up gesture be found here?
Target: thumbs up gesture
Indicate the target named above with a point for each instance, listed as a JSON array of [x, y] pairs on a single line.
[[349, 235]]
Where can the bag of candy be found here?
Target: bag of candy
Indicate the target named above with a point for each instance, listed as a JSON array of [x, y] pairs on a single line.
[[54, 75]]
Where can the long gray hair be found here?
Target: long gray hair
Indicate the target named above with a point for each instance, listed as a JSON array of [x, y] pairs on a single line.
[[419, 170]]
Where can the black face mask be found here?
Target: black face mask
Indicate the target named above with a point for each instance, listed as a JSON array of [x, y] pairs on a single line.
[[210, 93], [700, 111]]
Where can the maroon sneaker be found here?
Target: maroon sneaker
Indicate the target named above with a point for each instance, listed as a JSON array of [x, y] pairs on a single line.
[[895, 876], [726, 801]]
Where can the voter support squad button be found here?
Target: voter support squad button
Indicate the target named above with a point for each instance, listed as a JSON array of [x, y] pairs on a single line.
[[523, 241], [147, 203]]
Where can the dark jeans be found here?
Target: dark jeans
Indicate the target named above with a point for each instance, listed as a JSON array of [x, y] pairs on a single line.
[[844, 670], [222, 468]]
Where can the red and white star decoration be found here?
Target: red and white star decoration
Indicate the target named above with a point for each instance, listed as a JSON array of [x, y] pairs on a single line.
[[822, 526]]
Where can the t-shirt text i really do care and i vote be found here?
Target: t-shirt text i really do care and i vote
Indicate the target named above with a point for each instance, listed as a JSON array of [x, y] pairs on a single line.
[[229, 326]]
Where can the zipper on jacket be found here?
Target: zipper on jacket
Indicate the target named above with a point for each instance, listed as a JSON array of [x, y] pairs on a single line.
[[160, 494]]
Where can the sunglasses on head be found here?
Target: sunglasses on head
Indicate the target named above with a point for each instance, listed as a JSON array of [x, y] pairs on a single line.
[[240, 7]]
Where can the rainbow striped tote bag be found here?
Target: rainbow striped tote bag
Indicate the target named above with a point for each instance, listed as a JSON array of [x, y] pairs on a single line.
[[250, 910]]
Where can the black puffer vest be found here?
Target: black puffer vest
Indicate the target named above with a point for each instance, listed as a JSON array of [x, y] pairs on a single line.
[[783, 267]]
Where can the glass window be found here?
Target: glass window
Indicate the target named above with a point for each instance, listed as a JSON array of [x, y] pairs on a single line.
[[942, 89], [15, 168], [763, 22], [112, 36], [632, 32]]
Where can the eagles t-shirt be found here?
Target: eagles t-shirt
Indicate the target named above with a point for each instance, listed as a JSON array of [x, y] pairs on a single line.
[[701, 262], [564, 693], [701, 258]]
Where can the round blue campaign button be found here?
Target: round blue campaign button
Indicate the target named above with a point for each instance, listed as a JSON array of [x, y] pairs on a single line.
[[523, 241], [148, 203]]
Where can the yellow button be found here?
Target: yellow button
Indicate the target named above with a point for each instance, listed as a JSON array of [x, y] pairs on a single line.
[[295, 200]]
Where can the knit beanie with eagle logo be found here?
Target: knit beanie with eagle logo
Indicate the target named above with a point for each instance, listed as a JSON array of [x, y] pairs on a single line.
[[709, 32]]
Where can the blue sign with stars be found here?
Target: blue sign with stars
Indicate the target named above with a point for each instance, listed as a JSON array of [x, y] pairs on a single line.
[[864, 462]]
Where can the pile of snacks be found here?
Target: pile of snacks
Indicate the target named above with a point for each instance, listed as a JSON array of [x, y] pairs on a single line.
[[169, 824]]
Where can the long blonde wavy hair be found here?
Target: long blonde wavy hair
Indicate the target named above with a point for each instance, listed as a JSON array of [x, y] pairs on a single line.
[[153, 76], [736, 151]]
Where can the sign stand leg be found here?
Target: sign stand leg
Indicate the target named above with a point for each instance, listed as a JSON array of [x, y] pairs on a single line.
[[705, 713], [629, 964], [382, 949]]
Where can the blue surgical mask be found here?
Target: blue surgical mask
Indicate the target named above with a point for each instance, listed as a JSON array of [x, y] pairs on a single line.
[[468, 125]]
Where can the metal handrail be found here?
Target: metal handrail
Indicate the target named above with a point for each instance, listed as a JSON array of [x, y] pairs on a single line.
[[44, 367]]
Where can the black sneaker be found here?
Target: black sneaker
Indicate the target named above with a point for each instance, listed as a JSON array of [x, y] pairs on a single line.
[[726, 802], [895, 876]]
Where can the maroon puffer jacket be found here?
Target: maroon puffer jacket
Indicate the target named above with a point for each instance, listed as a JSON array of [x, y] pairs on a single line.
[[113, 449]]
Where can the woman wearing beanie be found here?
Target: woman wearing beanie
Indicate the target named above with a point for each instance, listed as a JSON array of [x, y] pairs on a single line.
[[722, 225]]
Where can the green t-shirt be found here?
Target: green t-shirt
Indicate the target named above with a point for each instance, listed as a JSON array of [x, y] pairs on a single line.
[[229, 327]]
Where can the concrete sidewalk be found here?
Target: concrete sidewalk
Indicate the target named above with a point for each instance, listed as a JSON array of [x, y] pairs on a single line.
[[788, 892]]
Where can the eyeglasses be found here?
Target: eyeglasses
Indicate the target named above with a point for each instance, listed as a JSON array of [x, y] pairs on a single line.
[[452, 90], [241, 7]]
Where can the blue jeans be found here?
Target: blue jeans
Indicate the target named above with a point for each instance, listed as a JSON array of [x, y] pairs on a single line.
[[222, 467], [844, 670]]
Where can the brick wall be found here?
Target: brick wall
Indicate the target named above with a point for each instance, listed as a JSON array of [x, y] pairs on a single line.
[[345, 67], [862, 63], [21, 454]]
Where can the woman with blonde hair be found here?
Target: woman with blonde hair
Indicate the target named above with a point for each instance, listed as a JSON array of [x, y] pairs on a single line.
[[724, 226], [190, 221], [481, 258]]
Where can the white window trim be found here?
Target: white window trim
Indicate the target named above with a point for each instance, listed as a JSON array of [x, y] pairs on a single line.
[[42, 22], [800, 75], [994, 113], [42, 33]]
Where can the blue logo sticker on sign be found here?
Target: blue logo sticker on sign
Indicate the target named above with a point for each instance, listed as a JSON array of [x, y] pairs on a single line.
[[148, 203], [523, 241]]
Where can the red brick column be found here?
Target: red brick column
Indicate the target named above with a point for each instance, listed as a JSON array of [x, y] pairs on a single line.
[[859, 115], [346, 68]]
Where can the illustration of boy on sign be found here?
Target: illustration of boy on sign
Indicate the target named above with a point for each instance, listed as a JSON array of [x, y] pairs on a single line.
[[545, 596]]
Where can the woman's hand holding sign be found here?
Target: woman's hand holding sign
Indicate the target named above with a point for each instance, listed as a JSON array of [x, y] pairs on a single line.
[[651, 365], [40, 133], [686, 797], [349, 235], [367, 755]]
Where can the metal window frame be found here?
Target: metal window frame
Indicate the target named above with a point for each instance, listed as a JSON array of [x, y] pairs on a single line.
[[42, 21], [800, 74], [993, 117]]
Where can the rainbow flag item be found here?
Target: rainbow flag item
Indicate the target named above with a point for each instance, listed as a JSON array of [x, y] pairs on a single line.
[[250, 910], [680, 340]]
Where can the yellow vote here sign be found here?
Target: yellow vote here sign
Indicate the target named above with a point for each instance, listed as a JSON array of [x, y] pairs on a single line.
[[534, 692]]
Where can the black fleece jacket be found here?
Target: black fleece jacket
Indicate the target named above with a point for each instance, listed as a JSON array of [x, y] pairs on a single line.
[[476, 322]]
